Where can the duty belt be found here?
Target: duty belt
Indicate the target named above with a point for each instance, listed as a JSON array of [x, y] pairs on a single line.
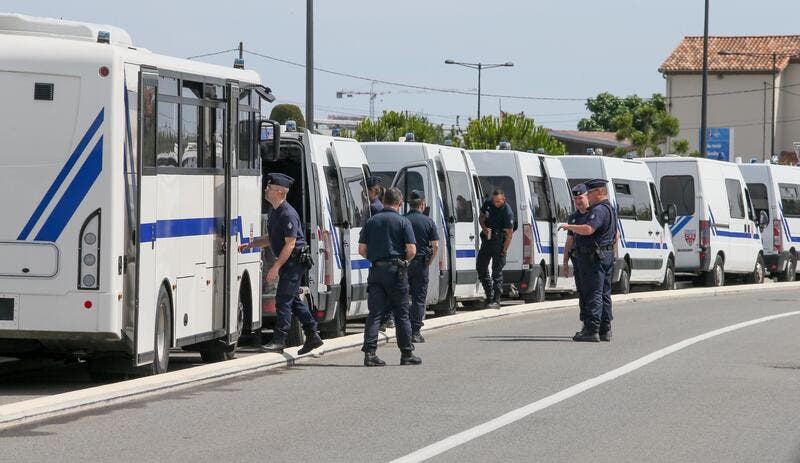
[[390, 263], [592, 250]]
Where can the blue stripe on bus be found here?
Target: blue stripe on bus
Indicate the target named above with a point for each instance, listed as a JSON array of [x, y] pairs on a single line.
[[73, 196], [464, 253], [62, 175]]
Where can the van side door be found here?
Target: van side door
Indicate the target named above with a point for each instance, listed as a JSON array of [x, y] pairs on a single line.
[[740, 258]]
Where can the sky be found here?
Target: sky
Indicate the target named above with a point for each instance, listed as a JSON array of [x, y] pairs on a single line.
[[562, 50]]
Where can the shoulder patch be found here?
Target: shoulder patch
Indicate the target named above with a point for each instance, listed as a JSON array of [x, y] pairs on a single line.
[[289, 225], [591, 216]]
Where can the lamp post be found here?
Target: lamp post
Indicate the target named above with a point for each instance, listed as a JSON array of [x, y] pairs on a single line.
[[704, 97], [310, 65], [774, 56], [480, 67]]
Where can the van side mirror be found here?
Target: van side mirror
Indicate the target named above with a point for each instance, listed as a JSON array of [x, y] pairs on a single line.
[[269, 140], [763, 219], [670, 215]]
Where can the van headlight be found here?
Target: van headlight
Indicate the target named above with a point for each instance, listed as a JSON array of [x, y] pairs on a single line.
[[89, 253]]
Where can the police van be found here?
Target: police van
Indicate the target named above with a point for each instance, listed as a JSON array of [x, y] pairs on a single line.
[[716, 232], [775, 192], [331, 196], [644, 252], [536, 188], [447, 176]]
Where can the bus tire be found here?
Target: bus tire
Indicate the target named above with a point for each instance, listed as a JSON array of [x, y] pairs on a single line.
[[162, 334], [716, 277], [757, 275], [790, 274], [623, 286], [669, 283], [538, 294], [448, 306]]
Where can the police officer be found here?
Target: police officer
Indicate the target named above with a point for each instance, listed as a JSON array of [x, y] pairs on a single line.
[[427, 247], [387, 241], [285, 236], [497, 226], [578, 217], [596, 239], [375, 193]]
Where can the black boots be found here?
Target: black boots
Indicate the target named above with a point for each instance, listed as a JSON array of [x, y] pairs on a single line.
[[416, 338], [312, 342], [586, 336], [372, 360], [605, 335], [276, 345], [408, 358]]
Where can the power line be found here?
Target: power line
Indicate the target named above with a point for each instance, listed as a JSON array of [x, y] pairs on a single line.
[[212, 54]]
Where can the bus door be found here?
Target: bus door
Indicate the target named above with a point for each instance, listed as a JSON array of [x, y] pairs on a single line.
[[349, 157], [132, 180], [225, 315], [418, 176]]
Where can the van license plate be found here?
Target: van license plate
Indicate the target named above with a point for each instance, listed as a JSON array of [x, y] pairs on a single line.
[[6, 309]]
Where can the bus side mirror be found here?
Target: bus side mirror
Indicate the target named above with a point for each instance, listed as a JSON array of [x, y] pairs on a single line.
[[269, 140], [763, 219], [670, 215]]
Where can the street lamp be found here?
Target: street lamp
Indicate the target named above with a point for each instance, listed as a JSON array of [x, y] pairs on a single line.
[[479, 67], [774, 56]]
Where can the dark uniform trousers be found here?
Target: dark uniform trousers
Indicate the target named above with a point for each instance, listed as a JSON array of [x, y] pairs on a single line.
[[577, 274], [288, 301], [596, 269], [492, 250], [387, 290], [418, 289]]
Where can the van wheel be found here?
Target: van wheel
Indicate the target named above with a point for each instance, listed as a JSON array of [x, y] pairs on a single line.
[[161, 338], [790, 274], [296, 336], [623, 286], [538, 294], [336, 327], [716, 277], [448, 306], [757, 277], [669, 278]]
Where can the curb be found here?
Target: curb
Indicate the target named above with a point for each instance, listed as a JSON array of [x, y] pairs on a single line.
[[42, 408]]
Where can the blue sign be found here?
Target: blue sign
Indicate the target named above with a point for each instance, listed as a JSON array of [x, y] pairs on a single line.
[[719, 143]]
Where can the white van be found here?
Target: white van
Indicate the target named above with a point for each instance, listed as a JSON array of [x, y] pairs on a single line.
[[715, 232], [447, 176], [645, 254], [775, 191], [330, 194], [536, 188]]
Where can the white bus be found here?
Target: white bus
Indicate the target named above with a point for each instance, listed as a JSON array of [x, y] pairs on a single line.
[[128, 180]]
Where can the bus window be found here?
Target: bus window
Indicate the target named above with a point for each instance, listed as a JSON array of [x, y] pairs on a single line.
[[459, 183], [213, 137], [167, 136], [245, 140], [190, 151], [149, 124]]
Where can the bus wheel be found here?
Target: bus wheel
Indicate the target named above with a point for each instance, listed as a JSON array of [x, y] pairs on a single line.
[[538, 294], [623, 286], [757, 276], [716, 277], [669, 277], [161, 339], [448, 306], [790, 274]]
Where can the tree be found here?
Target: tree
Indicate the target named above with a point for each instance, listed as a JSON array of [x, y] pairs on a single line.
[[284, 112], [647, 127], [680, 146], [392, 126], [606, 107], [523, 134]]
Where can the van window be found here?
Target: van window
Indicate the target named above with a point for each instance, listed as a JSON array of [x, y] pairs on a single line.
[[356, 195], [334, 195], [758, 193], [539, 201], [459, 183], [491, 183], [577, 181], [445, 192], [626, 204], [386, 177], [678, 190], [656, 201], [790, 199], [412, 178], [641, 197], [563, 197], [735, 200]]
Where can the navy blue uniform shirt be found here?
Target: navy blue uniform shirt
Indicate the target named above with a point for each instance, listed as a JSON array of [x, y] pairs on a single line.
[[386, 235], [375, 206], [284, 222], [424, 231], [576, 218], [603, 220], [497, 218]]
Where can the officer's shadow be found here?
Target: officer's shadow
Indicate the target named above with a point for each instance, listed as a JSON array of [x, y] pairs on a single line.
[[523, 338]]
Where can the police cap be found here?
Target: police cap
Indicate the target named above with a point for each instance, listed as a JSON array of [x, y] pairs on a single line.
[[416, 194], [279, 180], [579, 189], [595, 183], [374, 180]]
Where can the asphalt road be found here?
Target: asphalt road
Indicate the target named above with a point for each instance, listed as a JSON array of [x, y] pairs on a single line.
[[732, 397]]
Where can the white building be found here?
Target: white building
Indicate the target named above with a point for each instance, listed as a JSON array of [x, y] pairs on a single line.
[[739, 91]]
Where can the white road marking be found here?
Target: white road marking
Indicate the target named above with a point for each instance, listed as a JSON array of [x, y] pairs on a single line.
[[522, 412]]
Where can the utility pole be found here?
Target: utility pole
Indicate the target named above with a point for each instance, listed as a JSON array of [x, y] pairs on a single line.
[[310, 65], [704, 102]]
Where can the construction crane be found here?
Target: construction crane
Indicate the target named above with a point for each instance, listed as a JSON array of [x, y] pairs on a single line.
[[372, 95]]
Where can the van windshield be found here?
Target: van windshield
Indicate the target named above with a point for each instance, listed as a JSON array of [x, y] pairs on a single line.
[[678, 190]]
